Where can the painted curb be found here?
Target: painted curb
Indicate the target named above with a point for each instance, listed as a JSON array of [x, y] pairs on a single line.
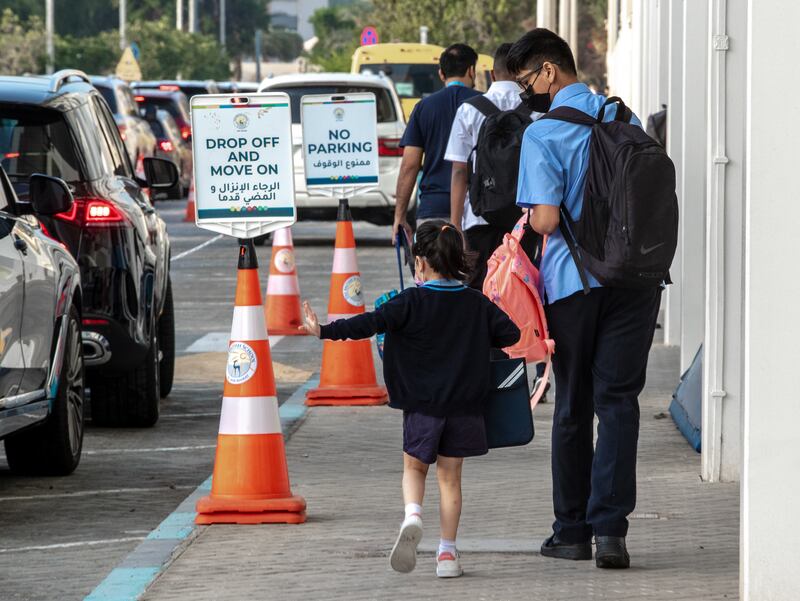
[[134, 575]]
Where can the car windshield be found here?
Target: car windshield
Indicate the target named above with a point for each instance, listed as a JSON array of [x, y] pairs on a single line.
[[386, 112], [36, 141], [410, 81], [109, 96], [177, 109]]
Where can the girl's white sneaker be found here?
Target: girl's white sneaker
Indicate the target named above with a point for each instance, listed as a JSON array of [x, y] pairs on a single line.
[[404, 552], [448, 565]]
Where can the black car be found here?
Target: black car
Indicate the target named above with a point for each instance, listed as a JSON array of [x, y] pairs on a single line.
[[175, 103], [41, 363], [61, 126], [188, 87]]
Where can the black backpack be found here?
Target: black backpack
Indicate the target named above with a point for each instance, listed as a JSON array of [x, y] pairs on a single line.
[[628, 230], [494, 163]]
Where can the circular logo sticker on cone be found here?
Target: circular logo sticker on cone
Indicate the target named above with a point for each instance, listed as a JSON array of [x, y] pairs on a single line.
[[284, 260], [242, 363], [351, 290]]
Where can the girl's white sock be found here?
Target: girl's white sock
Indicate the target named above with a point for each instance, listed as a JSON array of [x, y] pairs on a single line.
[[447, 546], [412, 508]]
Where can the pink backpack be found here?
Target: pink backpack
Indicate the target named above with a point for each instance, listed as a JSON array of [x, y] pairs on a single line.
[[512, 284]]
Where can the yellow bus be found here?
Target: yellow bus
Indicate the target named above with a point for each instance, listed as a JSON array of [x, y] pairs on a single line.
[[414, 69]]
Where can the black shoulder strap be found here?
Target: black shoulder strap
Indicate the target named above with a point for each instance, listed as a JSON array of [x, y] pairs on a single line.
[[623, 112], [567, 227], [484, 105], [571, 115]]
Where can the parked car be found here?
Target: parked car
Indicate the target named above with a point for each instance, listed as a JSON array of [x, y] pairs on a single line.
[[61, 126], [190, 88], [227, 87], [41, 359], [139, 140], [377, 206], [175, 103], [170, 145]]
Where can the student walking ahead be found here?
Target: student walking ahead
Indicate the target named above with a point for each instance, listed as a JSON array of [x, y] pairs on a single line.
[[602, 338], [436, 367]]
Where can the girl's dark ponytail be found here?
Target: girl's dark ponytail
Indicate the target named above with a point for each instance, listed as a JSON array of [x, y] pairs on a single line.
[[443, 247]]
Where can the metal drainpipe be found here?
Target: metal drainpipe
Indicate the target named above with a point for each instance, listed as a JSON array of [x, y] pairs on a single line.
[[716, 236]]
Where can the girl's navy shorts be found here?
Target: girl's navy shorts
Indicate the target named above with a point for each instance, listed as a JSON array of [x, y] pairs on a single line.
[[425, 437]]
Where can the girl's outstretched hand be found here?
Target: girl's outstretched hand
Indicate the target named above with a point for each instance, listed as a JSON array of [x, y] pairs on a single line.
[[310, 320]]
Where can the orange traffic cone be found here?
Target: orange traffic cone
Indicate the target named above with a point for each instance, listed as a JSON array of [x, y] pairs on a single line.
[[251, 479], [190, 203], [348, 373], [282, 307]]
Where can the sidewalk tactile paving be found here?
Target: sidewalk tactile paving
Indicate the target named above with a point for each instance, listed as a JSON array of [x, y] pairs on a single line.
[[347, 463]]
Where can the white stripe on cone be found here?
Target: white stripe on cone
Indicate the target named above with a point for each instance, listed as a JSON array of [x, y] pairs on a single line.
[[344, 260], [248, 323], [282, 237], [286, 285], [250, 415]]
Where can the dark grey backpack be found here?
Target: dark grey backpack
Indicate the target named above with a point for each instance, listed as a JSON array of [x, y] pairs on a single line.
[[628, 228]]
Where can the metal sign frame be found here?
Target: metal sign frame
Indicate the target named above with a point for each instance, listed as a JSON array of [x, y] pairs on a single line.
[[263, 117], [340, 188]]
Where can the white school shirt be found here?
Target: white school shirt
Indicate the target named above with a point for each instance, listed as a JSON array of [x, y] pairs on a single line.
[[466, 127]]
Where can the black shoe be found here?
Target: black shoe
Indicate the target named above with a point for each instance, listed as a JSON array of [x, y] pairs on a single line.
[[553, 547], [611, 553]]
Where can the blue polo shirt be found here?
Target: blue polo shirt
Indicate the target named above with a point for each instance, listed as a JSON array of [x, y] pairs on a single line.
[[429, 128], [552, 170]]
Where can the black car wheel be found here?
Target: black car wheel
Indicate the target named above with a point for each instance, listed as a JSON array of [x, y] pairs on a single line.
[[129, 399], [54, 448], [166, 343]]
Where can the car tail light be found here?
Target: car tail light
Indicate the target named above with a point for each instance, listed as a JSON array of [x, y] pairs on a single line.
[[11, 155], [389, 147], [139, 98], [186, 131], [169, 88], [166, 145], [93, 212], [94, 322], [122, 129]]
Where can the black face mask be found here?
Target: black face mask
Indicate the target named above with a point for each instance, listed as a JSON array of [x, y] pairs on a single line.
[[538, 103]]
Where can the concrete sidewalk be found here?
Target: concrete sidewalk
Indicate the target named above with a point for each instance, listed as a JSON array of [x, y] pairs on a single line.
[[347, 463]]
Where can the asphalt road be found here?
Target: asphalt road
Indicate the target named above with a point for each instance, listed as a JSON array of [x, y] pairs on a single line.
[[59, 537]]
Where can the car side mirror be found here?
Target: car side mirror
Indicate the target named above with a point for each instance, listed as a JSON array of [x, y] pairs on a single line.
[[160, 173], [49, 195]]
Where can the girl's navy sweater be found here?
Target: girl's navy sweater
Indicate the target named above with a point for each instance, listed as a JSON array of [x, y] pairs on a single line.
[[436, 350]]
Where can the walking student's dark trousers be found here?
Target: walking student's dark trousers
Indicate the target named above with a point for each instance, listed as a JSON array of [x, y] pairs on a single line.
[[602, 344]]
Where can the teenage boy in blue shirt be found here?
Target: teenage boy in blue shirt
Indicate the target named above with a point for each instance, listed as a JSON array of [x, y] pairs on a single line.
[[425, 140], [602, 338]]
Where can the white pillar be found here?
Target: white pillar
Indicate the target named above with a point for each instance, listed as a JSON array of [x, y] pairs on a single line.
[[179, 15], [563, 18], [723, 356], [222, 15], [612, 24], [546, 14], [573, 29], [123, 17], [770, 489], [692, 184], [48, 20], [672, 299], [192, 16]]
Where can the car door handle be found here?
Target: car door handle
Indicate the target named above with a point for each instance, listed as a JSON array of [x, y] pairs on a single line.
[[21, 245]]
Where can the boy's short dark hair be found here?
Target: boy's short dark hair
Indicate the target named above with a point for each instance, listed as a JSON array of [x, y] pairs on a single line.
[[501, 58], [456, 60], [537, 46]]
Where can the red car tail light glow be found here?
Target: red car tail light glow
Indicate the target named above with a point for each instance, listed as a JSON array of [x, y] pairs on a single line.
[[166, 145], [389, 147], [93, 212]]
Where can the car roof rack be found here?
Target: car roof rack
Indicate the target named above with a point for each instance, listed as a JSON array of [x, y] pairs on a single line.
[[58, 78]]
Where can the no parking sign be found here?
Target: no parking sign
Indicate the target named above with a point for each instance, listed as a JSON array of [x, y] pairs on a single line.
[[243, 167]]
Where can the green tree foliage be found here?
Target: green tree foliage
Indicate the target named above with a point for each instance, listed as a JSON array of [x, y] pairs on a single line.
[[337, 30], [165, 53], [22, 44], [483, 25], [283, 45]]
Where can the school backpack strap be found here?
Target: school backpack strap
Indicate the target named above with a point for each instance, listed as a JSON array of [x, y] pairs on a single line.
[[484, 105], [623, 113], [570, 115], [541, 387], [567, 226]]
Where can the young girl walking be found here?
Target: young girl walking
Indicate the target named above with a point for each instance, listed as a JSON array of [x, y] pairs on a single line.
[[436, 368]]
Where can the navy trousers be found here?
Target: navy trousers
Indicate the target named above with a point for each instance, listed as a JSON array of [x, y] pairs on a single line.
[[602, 344]]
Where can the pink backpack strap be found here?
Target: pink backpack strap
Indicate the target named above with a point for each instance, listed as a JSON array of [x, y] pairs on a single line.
[[538, 392]]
